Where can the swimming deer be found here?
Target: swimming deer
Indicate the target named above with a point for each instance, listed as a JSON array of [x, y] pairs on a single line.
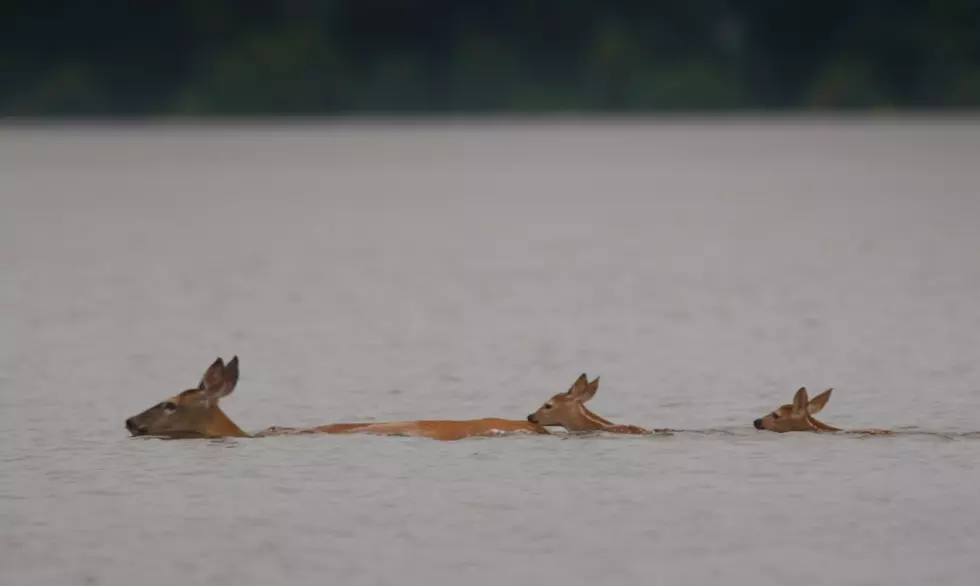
[[568, 410], [195, 413], [798, 416]]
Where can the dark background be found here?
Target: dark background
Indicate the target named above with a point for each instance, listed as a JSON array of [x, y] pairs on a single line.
[[240, 57]]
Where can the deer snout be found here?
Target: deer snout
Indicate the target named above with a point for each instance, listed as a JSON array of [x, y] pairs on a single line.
[[135, 428], [757, 423], [531, 418]]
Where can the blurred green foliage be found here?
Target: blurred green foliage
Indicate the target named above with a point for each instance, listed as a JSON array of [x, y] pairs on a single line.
[[243, 57]]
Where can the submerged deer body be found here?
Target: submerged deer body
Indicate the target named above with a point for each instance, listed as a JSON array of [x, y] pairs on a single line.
[[195, 413], [799, 416], [568, 410], [438, 429]]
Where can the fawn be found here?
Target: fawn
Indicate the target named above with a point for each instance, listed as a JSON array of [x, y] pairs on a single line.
[[568, 410], [798, 416]]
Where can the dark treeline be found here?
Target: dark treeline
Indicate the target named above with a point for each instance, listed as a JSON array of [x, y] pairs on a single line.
[[198, 57]]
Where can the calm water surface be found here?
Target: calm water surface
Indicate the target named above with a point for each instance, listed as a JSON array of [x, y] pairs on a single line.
[[704, 271]]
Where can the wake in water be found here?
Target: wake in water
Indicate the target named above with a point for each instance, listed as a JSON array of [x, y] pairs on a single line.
[[910, 431]]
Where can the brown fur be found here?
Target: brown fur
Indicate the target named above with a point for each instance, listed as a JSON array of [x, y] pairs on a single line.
[[799, 416], [446, 430], [195, 413], [568, 410]]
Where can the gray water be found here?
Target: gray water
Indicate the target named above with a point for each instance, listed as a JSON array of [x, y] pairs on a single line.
[[704, 270]]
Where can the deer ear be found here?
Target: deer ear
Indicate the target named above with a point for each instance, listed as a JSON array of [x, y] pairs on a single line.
[[818, 402], [214, 376], [231, 376], [578, 387], [583, 390], [800, 401], [590, 390], [220, 379]]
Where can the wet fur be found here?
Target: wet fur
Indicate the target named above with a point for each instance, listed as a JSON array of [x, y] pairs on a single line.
[[195, 413], [568, 410], [799, 416]]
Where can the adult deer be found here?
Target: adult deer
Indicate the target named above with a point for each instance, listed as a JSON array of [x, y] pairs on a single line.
[[195, 413], [799, 416], [568, 410]]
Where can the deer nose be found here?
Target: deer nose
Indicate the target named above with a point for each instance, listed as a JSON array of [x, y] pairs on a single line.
[[133, 427], [531, 418], [757, 423]]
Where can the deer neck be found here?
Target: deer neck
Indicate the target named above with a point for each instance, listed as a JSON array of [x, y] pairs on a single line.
[[222, 426], [817, 424], [585, 420], [595, 416]]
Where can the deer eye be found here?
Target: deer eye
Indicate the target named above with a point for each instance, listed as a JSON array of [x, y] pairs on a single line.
[[169, 406], [775, 415], [547, 405]]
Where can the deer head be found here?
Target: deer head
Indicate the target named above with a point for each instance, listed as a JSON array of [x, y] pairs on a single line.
[[194, 412], [797, 416], [568, 409]]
